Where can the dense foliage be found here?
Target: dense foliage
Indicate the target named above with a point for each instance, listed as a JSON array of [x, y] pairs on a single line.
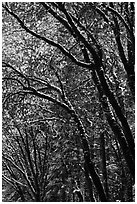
[[68, 101]]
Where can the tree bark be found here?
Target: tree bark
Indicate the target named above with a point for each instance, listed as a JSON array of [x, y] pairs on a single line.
[[109, 115]]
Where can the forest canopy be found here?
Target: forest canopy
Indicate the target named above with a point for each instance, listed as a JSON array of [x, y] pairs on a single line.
[[68, 95]]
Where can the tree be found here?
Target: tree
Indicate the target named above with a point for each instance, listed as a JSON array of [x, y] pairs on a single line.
[[78, 59]]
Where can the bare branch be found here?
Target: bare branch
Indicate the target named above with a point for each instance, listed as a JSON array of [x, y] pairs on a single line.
[[4, 64], [22, 172], [59, 80], [79, 34], [45, 119], [54, 44], [13, 79], [58, 17], [88, 32], [8, 180], [13, 94], [14, 181], [121, 18], [47, 84], [32, 91], [107, 20]]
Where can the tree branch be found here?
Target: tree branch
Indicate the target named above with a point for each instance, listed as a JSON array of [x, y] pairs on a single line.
[[14, 181], [59, 18], [22, 172], [13, 79], [32, 91], [79, 35], [4, 64], [121, 18], [54, 44]]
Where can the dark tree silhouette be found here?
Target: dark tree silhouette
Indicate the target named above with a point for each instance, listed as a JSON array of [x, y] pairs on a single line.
[[89, 43]]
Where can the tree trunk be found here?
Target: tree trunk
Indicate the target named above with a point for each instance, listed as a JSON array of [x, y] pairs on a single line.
[[104, 92], [89, 184], [90, 166]]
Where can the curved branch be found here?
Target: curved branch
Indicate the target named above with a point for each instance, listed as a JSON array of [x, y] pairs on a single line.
[[54, 44], [32, 91], [9, 181], [13, 94], [62, 92], [13, 79], [13, 181], [104, 16], [122, 20], [79, 35], [22, 172], [4, 64], [88, 33], [83, 138], [58, 17], [47, 85]]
